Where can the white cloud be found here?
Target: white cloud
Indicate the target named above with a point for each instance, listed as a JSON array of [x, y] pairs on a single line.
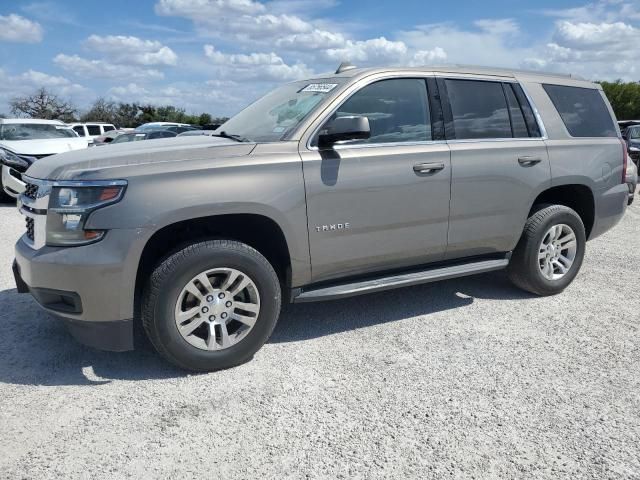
[[499, 26], [594, 50], [203, 8], [14, 28], [128, 50], [372, 50], [425, 57], [491, 42], [102, 69], [255, 66], [27, 82], [316, 39], [194, 97]]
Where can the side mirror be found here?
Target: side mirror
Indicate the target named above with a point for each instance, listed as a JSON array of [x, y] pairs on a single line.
[[342, 129]]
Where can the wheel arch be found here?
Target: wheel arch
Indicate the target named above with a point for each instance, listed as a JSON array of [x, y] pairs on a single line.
[[577, 196], [256, 230]]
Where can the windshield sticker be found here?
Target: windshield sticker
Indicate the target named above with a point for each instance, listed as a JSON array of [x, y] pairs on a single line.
[[319, 87]]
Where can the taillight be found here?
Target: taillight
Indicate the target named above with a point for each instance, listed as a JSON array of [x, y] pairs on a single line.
[[625, 160]]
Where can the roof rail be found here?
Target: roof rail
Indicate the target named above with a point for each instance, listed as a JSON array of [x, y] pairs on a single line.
[[506, 70]]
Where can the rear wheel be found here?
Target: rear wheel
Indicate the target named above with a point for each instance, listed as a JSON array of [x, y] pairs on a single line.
[[550, 252], [212, 305]]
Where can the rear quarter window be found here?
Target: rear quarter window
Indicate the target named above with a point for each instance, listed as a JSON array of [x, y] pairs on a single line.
[[582, 110]]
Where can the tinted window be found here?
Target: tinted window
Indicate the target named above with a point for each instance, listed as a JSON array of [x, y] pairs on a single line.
[[161, 134], [94, 129], [518, 124], [479, 109], [529, 116], [583, 111], [633, 133], [397, 110], [79, 130], [108, 128]]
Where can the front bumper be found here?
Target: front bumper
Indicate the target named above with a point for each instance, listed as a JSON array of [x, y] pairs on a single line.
[[89, 287], [12, 182]]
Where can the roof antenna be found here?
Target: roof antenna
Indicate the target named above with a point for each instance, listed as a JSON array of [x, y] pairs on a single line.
[[345, 66]]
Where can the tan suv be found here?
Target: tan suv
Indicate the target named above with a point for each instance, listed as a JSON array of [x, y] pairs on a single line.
[[351, 183]]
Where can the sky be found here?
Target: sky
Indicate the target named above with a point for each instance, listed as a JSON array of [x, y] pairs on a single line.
[[217, 56]]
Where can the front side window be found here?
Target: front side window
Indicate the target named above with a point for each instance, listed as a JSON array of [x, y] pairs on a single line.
[[583, 111], [108, 128], [34, 131], [397, 109], [79, 129], [479, 109]]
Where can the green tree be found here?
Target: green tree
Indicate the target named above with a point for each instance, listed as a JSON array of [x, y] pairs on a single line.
[[101, 111], [624, 98]]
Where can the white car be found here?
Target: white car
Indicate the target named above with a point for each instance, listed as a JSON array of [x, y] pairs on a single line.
[[28, 140], [160, 125], [92, 129]]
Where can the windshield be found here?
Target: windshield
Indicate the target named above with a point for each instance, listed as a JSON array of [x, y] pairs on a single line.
[[34, 131], [278, 113], [634, 133]]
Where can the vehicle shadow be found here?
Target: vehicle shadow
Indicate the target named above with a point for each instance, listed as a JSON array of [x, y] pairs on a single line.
[[36, 349], [311, 320]]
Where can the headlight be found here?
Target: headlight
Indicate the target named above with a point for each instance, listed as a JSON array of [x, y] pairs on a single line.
[[70, 206], [10, 159]]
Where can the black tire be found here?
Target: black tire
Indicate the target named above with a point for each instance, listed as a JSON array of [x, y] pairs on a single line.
[[173, 273], [524, 267]]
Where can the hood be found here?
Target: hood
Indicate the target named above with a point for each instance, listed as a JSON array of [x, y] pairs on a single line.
[[46, 146], [136, 158]]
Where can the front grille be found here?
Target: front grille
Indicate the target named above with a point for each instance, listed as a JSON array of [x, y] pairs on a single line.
[[30, 226], [31, 191]]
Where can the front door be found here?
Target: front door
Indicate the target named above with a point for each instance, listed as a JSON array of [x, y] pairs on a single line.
[[382, 203]]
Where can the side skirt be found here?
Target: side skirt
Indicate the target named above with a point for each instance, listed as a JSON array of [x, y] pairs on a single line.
[[397, 280]]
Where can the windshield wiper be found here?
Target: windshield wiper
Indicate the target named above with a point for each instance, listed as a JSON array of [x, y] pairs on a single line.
[[232, 136]]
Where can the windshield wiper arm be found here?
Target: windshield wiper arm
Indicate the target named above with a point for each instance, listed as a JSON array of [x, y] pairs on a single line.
[[232, 136]]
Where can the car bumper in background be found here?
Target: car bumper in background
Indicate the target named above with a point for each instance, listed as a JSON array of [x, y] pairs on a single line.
[[12, 182]]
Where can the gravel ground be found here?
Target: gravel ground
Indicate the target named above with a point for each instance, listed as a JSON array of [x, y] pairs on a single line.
[[467, 378]]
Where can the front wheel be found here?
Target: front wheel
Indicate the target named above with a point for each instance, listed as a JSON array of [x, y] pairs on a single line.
[[550, 252], [212, 305]]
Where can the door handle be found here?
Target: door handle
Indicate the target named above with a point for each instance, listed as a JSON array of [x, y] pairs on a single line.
[[529, 161], [427, 168]]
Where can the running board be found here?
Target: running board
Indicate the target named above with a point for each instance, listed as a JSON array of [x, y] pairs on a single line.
[[396, 281]]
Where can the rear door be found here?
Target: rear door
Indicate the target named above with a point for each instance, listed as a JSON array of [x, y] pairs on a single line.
[[371, 206], [499, 163]]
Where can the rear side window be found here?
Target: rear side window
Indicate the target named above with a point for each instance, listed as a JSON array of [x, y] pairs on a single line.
[[479, 109], [518, 123], [93, 129], [583, 111], [397, 109]]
